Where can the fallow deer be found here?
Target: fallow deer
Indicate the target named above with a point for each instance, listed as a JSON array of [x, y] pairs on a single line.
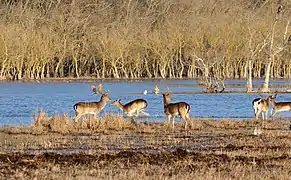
[[135, 106], [279, 106], [261, 106], [82, 108], [156, 89], [175, 109], [95, 89]]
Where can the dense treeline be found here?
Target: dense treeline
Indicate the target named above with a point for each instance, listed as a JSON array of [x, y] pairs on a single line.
[[139, 38]]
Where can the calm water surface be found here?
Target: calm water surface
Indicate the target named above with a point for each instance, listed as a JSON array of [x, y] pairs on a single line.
[[20, 101]]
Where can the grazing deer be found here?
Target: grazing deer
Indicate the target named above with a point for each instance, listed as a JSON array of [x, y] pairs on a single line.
[[261, 105], [82, 108], [135, 106], [95, 89], [156, 89], [279, 106], [175, 109]]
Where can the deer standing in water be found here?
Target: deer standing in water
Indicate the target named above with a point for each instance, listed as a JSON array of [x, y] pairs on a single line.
[[82, 108], [97, 90], [156, 89], [135, 106], [175, 109], [261, 106], [279, 106]]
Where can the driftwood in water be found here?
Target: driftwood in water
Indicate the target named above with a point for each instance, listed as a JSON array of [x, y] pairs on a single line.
[[213, 89]]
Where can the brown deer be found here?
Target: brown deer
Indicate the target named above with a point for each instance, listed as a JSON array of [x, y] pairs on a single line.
[[135, 106], [95, 89], [261, 105], [279, 106], [82, 108], [156, 89], [175, 109]]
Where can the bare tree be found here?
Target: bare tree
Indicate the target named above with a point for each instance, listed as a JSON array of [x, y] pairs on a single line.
[[211, 80], [273, 51], [254, 50]]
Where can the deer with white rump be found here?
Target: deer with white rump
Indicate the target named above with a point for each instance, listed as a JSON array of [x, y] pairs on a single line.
[[175, 109], [82, 108], [261, 106]]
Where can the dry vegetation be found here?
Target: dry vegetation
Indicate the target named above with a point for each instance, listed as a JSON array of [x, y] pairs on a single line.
[[113, 148], [139, 39]]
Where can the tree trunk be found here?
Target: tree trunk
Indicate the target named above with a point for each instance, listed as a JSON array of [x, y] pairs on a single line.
[[76, 67], [250, 81], [267, 77]]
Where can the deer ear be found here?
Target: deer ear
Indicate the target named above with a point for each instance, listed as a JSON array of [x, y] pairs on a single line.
[[260, 92], [105, 94]]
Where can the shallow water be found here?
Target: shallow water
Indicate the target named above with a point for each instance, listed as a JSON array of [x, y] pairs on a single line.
[[19, 101]]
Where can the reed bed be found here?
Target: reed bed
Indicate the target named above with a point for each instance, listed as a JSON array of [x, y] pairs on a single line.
[[63, 124]]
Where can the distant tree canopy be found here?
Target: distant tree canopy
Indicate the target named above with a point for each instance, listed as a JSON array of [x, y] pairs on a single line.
[[139, 38]]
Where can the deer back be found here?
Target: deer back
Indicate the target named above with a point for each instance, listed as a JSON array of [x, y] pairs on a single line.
[[82, 107], [138, 104], [177, 108]]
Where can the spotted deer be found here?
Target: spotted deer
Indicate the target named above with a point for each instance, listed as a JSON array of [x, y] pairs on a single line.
[[135, 106], [82, 108], [156, 89], [97, 90], [279, 106], [261, 106], [175, 109]]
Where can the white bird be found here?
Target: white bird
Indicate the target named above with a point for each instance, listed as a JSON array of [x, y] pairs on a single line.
[[145, 92]]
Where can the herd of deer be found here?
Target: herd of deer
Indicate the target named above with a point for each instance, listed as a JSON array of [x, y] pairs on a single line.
[[171, 110], [134, 107], [262, 105]]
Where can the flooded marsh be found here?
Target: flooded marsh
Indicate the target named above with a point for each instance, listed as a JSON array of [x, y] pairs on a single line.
[[219, 144], [20, 101]]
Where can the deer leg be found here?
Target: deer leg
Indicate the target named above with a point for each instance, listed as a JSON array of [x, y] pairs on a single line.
[[173, 122], [77, 117], [262, 115], [132, 120], [188, 119], [168, 116], [183, 116], [267, 115], [273, 115], [255, 109], [129, 115], [95, 115], [257, 115], [137, 113], [185, 124]]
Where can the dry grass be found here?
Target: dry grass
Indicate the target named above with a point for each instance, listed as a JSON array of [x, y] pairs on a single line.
[[63, 124], [113, 148]]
